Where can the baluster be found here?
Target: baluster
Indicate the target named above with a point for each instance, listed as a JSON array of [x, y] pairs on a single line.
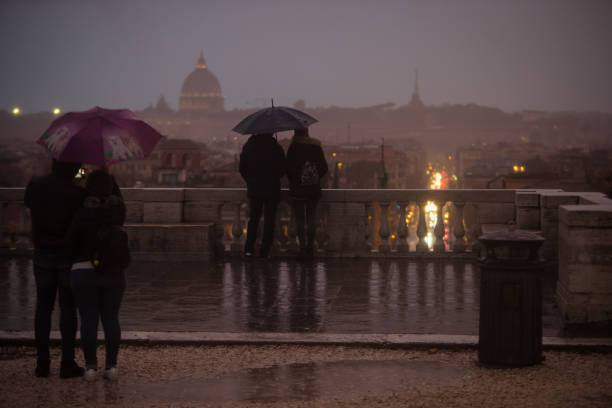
[[439, 229], [4, 232], [369, 219], [236, 246], [459, 231], [402, 231], [422, 229], [220, 238], [477, 230], [23, 241], [383, 231]]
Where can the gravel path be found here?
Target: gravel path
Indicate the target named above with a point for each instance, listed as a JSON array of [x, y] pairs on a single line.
[[156, 376]]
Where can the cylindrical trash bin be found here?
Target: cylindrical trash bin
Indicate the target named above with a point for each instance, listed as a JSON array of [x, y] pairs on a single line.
[[510, 328]]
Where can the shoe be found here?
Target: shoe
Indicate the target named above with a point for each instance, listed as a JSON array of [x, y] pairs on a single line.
[[110, 373], [70, 369], [90, 374], [42, 368]]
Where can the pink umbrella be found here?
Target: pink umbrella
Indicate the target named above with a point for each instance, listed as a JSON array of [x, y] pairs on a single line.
[[99, 136]]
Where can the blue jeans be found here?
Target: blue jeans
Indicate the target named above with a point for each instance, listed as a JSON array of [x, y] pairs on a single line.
[[95, 302], [52, 275]]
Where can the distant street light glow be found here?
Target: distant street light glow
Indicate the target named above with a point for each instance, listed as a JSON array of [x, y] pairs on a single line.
[[16, 110], [57, 111]]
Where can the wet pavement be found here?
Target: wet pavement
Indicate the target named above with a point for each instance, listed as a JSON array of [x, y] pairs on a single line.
[[283, 296], [298, 381]]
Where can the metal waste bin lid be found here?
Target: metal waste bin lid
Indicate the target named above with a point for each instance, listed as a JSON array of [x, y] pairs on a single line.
[[513, 239]]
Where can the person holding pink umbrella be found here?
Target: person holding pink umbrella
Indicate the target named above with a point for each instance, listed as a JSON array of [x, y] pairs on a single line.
[[100, 137]]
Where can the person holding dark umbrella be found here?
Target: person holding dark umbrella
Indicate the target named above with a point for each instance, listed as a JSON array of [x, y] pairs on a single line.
[[262, 164]]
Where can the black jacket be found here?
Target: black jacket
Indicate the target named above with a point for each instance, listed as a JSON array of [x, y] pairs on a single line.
[[262, 164], [302, 150], [95, 212], [52, 199]]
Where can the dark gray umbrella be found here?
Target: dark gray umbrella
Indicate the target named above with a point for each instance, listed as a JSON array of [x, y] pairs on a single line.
[[274, 119]]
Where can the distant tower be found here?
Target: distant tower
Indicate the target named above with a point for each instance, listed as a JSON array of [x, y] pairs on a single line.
[[415, 101], [201, 92]]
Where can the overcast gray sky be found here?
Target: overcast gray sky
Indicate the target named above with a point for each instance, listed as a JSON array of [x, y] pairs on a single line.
[[520, 54]]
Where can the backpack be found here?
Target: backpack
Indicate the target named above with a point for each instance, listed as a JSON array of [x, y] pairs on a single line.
[[309, 175], [111, 251]]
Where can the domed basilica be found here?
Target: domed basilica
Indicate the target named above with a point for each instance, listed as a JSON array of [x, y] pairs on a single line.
[[201, 91]]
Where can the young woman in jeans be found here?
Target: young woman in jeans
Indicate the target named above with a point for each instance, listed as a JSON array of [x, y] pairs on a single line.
[[97, 294]]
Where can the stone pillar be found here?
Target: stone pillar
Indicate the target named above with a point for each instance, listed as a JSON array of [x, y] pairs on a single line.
[[459, 231], [402, 230], [383, 231], [584, 288], [422, 229], [527, 210], [439, 229], [549, 221]]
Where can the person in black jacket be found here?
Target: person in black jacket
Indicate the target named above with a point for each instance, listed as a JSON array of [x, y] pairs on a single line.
[[262, 164], [53, 199], [97, 294], [306, 165]]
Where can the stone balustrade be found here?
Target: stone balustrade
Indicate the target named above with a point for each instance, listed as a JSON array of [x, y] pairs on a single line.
[[200, 223]]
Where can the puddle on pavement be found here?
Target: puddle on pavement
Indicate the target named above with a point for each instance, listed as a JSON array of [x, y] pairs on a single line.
[[342, 379]]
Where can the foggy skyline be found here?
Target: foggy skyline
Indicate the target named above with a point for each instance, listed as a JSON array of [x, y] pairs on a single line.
[[548, 55]]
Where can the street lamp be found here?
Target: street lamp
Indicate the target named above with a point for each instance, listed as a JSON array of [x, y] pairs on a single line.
[[16, 110], [57, 111]]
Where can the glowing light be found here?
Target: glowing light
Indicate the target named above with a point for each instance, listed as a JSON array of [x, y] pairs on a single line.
[[16, 110], [450, 157], [57, 111], [392, 236], [409, 217], [431, 214], [334, 154], [244, 230], [339, 164], [522, 169], [436, 181], [515, 168]]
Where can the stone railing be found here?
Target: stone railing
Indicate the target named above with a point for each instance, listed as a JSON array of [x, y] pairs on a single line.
[[195, 224]]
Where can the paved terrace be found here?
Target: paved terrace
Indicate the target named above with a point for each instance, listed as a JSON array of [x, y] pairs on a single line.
[[338, 296]]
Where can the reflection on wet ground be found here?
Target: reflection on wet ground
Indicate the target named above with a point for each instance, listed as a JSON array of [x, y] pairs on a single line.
[[343, 380], [306, 381], [327, 296]]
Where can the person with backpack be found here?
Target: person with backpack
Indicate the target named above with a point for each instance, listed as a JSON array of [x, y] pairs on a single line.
[[306, 165], [100, 255], [262, 164]]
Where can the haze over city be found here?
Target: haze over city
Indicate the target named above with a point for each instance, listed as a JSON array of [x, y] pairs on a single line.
[[545, 55]]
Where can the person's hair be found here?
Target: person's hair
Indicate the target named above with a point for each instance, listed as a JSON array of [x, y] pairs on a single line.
[[64, 170], [301, 132], [99, 183]]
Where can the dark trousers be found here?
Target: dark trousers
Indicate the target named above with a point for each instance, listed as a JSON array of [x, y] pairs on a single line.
[[305, 212], [95, 302], [256, 207], [52, 274]]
